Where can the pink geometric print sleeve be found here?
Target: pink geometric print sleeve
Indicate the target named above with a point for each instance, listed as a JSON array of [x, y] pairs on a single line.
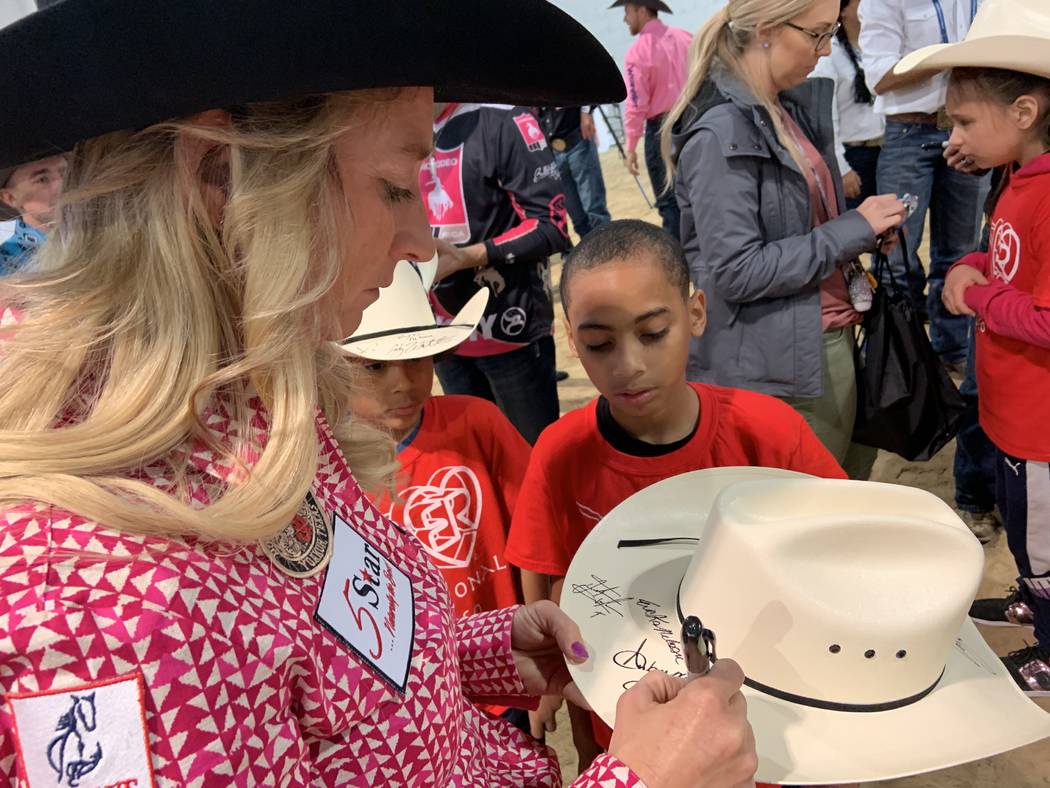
[[607, 772], [486, 663], [489, 675]]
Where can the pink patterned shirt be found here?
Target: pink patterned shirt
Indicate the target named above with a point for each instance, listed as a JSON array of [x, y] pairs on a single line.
[[655, 72], [129, 661]]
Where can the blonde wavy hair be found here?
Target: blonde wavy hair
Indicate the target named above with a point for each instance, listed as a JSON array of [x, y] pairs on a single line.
[[140, 313], [722, 41]]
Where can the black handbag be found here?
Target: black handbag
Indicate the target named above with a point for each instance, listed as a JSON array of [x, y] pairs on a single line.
[[906, 402]]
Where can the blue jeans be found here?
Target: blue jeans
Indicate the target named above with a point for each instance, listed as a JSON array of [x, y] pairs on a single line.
[[954, 201], [520, 382], [666, 203], [584, 186], [975, 456]]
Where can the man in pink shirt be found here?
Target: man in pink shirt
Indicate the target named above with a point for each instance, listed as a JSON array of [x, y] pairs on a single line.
[[655, 73]]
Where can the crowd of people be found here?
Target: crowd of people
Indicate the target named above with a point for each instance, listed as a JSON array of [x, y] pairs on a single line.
[[233, 508]]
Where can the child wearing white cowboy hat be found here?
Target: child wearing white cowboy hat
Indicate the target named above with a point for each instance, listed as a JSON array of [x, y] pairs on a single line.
[[999, 98], [461, 460]]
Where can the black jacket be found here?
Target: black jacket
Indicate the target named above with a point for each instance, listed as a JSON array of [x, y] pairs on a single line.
[[492, 179]]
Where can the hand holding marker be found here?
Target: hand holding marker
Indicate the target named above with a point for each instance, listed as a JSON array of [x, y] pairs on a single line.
[[698, 645]]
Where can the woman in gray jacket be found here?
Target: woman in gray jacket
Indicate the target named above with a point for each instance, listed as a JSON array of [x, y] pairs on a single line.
[[764, 223]]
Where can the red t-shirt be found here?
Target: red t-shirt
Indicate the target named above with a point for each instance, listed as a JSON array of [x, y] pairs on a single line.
[[460, 478], [1013, 376], [576, 477]]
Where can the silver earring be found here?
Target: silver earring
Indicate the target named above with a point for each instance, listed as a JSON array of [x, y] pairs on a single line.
[[765, 45]]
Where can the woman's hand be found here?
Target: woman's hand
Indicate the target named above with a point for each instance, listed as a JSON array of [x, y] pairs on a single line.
[[851, 185], [955, 284], [884, 212], [542, 638], [677, 734]]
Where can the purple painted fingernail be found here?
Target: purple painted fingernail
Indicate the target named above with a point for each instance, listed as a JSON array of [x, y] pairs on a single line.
[[580, 650]]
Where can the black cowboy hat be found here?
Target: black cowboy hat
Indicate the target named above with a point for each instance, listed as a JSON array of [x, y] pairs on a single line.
[[81, 68], [656, 5]]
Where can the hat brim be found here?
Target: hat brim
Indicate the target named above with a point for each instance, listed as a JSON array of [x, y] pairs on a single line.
[[1027, 54], [424, 341], [655, 5], [82, 68], [975, 711]]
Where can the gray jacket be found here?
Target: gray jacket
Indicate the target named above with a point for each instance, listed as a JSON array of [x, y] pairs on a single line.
[[746, 232]]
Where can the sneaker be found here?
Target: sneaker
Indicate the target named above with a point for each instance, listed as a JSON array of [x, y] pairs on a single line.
[[1009, 611], [983, 525], [1030, 669]]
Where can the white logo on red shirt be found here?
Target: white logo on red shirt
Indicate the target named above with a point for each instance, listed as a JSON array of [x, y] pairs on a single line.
[[530, 132], [588, 513], [441, 182], [1005, 248], [445, 514]]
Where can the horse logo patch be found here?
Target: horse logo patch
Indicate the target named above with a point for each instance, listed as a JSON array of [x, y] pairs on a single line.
[[90, 735]]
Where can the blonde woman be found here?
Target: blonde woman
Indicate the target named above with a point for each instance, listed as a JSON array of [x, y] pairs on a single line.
[[193, 589], [764, 222]]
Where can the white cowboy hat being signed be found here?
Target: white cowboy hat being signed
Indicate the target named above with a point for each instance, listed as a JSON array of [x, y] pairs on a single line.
[[1009, 34], [845, 603], [400, 324]]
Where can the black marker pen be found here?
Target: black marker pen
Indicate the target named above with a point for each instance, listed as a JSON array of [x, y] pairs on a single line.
[[697, 646]]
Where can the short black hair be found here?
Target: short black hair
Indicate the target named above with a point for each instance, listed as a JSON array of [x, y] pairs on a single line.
[[627, 239]]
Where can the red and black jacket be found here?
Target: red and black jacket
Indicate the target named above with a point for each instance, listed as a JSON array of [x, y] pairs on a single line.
[[493, 180]]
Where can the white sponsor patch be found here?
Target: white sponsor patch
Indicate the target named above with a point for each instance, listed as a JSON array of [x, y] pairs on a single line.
[[367, 602], [90, 735]]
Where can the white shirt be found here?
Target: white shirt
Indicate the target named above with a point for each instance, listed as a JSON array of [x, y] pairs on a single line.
[[891, 29], [853, 122]]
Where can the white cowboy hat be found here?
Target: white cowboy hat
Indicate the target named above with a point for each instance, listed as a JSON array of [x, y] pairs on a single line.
[[1009, 34], [400, 324], [845, 603]]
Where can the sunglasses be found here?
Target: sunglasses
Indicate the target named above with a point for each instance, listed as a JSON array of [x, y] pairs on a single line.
[[820, 40]]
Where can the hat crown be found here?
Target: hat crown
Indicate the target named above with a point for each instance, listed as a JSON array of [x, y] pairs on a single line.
[[1011, 18], [403, 304], [856, 608]]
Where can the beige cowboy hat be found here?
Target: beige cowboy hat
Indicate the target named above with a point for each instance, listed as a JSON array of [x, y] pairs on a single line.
[[845, 603], [1008, 34], [400, 324]]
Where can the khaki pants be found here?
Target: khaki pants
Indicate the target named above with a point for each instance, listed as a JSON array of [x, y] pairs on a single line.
[[831, 415]]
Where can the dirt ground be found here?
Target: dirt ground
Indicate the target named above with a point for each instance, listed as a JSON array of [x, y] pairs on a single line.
[[1028, 767]]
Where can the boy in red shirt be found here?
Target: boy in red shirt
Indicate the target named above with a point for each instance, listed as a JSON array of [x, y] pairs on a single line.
[[630, 319], [461, 460]]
